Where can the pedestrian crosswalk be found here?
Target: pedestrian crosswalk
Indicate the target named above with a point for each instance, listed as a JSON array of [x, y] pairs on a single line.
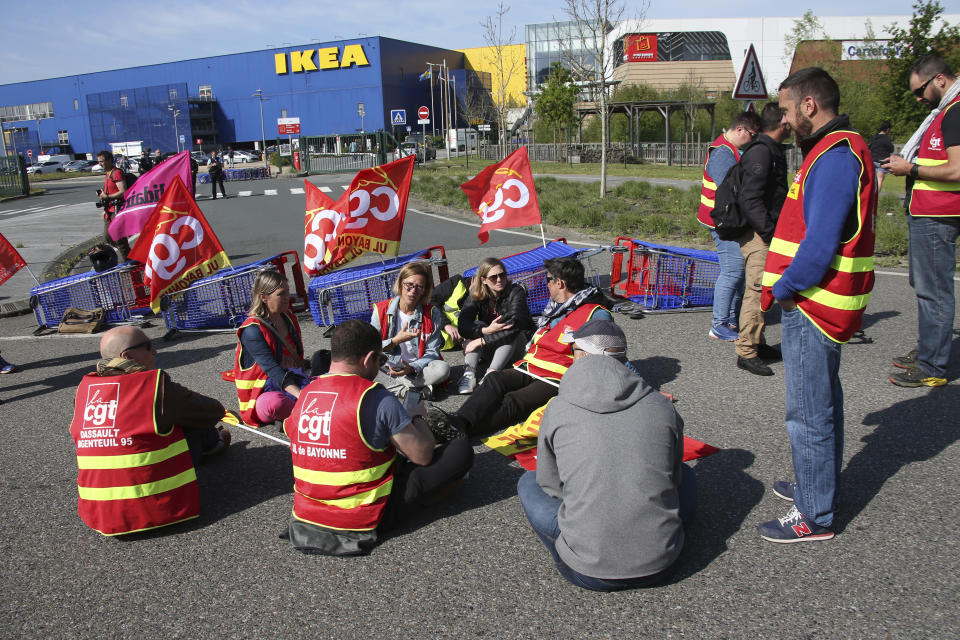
[[30, 210], [294, 191]]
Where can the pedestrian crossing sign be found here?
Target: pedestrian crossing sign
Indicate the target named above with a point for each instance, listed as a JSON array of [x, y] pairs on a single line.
[[398, 116]]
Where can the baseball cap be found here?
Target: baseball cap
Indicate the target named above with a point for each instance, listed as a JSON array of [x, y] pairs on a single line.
[[598, 337]]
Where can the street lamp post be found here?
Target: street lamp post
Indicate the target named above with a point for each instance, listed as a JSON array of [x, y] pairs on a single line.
[[263, 141], [176, 129]]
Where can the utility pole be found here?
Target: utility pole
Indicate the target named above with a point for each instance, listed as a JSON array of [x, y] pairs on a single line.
[[263, 141], [176, 130]]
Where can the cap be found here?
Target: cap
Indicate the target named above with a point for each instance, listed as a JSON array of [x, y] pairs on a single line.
[[598, 337]]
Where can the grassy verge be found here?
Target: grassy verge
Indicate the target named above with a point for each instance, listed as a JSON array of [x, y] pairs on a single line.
[[638, 209], [631, 170]]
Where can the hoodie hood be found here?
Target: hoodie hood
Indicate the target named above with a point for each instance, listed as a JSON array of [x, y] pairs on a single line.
[[601, 384]]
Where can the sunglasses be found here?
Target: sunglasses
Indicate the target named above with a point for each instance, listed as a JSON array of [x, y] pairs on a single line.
[[552, 279], [918, 92], [497, 276], [413, 287], [146, 344]]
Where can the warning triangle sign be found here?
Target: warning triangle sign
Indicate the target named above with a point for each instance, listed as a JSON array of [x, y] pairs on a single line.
[[750, 85]]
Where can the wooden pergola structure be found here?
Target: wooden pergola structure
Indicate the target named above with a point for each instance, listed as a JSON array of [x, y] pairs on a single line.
[[635, 108]]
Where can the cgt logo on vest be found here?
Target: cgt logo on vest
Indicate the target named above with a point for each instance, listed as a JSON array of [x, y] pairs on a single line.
[[936, 143], [101, 408], [326, 58], [316, 416]]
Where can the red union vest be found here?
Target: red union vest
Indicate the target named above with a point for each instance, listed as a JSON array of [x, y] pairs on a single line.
[[547, 357], [340, 481], [836, 304], [709, 189], [426, 327], [930, 197], [250, 382], [130, 477]]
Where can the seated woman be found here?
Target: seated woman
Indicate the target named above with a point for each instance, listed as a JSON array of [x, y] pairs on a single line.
[[269, 366], [410, 328], [495, 322]]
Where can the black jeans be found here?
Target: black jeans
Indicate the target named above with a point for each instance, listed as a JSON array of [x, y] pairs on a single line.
[[414, 486], [504, 399], [214, 181]]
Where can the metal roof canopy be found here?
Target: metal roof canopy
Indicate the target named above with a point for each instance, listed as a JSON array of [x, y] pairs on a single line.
[[634, 108]]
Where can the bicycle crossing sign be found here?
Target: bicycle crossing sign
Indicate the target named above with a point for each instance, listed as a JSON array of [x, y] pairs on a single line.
[[750, 85], [398, 116]]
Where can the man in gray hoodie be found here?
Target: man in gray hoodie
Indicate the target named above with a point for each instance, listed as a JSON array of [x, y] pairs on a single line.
[[610, 493]]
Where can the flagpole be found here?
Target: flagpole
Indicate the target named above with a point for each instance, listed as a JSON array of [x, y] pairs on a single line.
[[543, 237], [30, 271]]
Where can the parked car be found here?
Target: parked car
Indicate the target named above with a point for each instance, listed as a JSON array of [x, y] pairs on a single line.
[[95, 168], [243, 156], [414, 148], [50, 166], [79, 165]]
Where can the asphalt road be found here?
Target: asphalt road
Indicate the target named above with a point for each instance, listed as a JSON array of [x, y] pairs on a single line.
[[473, 568]]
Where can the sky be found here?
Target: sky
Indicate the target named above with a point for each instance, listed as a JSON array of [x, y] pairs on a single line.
[[59, 38]]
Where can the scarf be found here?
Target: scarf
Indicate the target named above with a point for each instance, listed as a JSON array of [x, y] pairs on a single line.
[[555, 310], [912, 147], [118, 367]]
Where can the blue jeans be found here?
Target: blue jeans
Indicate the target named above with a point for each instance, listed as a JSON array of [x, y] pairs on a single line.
[[728, 291], [541, 511], [814, 403], [933, 251]]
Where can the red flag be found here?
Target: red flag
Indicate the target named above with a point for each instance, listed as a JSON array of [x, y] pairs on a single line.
[[10, 260], [177, 245], [503, 195], [367, 217]]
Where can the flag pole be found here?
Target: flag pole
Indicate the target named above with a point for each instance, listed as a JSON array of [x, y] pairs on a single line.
[[30, 271], [260, 433], [543, 237]]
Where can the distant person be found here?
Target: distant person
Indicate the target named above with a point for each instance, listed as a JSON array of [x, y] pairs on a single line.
[[881, 148], [114, 188], [194, 169], [145, 163], [610, 493], [353, 146], [724, 152], [230, 157], [215, 170], [139, 436], [157, 158]]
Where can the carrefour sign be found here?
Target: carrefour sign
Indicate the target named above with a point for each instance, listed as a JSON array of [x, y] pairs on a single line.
[[871, 50], [321, 58]]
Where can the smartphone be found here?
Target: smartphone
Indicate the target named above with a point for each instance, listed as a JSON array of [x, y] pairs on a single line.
[[412, 399]]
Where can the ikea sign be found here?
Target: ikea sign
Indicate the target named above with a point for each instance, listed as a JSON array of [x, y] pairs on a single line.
[[321, 58]]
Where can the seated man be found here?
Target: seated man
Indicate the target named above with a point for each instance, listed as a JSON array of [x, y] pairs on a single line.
[[345, 433], [609, 530], [138, 436], [507, 397]]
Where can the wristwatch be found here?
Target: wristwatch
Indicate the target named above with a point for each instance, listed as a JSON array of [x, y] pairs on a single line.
[[915, 171]]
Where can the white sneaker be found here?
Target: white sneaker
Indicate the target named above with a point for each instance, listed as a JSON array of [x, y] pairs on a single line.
[[468, 382]]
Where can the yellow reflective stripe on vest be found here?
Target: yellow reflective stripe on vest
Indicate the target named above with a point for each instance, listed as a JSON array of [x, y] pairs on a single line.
[[704, 200], [358, 500], [839, 263], [341, 478], [822, 296], [929, 162], [250, 384], [543, 364], [133, 459], [709, 185], [933, 185], [138, 490], [248, 405]]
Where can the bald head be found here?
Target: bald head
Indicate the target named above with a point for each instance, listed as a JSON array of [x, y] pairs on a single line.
[[127, 342]]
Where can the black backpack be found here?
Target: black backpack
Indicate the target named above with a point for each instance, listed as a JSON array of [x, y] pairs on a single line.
[[727, 218]]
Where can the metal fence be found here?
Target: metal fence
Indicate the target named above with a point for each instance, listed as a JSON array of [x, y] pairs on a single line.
[[346, 153], [12, 178]]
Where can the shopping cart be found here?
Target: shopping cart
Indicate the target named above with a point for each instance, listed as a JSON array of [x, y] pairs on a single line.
[[526, 268], [119, 291], [351, 292], [220, 302], [663, 278]]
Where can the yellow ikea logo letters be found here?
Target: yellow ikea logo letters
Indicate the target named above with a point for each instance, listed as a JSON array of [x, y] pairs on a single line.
[[316, 59]]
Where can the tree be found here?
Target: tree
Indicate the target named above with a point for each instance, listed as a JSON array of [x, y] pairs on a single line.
[[919, 40], [554, 105], [806, 27], [592, 21], [505, 66]]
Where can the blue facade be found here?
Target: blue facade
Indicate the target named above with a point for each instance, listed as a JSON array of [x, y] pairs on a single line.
[[92, 108]]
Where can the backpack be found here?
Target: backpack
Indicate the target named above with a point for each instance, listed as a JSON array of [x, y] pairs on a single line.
[[727, 217], [129, 179]]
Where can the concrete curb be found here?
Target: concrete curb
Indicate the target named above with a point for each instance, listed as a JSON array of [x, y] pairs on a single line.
[[51, 272]]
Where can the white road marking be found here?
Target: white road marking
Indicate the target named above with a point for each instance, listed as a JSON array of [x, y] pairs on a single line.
[[56, 206], [244, 194], [270, 192], [296, 190], [9, 213], [326, 189], [345, 187]]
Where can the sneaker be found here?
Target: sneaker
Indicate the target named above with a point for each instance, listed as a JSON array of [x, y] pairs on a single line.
[[444, 426], [6, 367], [468, 382], [732, 326], [793, 527], [784, 490], [723, 332], [908, 361], [754, 366], [766, 352], [222, 443], [916, 377]]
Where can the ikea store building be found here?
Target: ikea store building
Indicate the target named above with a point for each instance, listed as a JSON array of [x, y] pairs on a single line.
[[212, 100]]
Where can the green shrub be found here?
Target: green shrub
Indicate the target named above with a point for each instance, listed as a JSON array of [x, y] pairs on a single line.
[[657, 225], [889, 203], [627, 224], [633, 190], [892, 235]]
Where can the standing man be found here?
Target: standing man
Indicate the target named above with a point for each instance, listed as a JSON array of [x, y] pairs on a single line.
[[932, 160], [145, 162], [761, 195], [215, 169], [157, 157], [722, 155], [230, 157], [881, 148], [820, 271], [360, 463], [114, 187]]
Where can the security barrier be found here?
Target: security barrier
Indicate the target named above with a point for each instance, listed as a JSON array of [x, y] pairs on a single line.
[[254, 173]]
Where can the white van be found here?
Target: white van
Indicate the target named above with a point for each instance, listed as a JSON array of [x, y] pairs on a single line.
[[62, 158], [462, 139]]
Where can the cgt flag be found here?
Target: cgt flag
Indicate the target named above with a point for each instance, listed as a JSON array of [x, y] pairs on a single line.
[[177, 245], [10, 260], [367, 217], [503, 195], [142, 196]]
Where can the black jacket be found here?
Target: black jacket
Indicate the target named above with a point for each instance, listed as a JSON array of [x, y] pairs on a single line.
[[881, 146], [476, 315], [764, 184]]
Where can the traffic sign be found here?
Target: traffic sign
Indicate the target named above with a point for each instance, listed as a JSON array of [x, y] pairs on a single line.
[[288, 126], [423, 113], [199, 140], [750, 85], [183, 138], [398, 116], [423, 121]]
